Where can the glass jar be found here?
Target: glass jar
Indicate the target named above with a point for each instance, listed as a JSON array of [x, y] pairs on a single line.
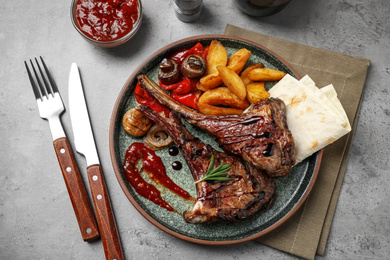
[[262, 7]]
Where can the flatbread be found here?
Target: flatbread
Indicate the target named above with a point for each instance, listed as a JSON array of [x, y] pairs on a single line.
[[315, 116]]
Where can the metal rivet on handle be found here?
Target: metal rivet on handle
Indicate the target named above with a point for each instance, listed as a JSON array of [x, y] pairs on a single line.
[[89, 230], [99, 197], [62, 150], [94, 178], [68, 169]]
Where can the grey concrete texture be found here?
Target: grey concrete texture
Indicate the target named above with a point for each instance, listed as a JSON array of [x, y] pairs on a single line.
[[36, 217]]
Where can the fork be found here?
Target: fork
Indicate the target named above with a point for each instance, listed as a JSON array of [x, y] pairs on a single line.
[[50, 107]]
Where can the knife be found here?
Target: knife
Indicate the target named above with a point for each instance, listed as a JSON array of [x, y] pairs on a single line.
[[51, 107], [85, 145]]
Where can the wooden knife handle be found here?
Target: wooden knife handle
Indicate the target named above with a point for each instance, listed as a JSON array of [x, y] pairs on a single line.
[[104, 214], [76, 189]]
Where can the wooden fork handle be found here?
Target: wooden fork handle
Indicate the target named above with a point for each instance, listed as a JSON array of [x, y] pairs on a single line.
[[77, 191], [104, 214]]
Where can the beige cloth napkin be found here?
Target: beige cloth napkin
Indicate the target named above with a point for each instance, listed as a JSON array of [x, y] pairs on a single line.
[[305, 234]]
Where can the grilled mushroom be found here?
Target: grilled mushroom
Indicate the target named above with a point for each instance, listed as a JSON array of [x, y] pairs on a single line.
[[135, 123], [169, 71], [193, 66]]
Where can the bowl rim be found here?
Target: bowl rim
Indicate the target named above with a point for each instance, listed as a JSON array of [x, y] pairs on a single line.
[[126, 37], [117, 170]]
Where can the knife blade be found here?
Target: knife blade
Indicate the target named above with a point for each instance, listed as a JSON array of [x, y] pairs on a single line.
[[85, 145]]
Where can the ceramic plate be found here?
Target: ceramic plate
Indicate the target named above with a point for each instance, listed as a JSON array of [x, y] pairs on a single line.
[[291, 190]]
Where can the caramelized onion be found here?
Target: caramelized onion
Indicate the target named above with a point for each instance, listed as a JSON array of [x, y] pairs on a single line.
[[156, 138]]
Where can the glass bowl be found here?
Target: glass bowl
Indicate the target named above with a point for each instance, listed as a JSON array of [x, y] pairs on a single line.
[[110, 43]]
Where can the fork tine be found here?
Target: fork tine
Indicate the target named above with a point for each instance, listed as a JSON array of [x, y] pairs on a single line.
[[41, 87], [44, 80], [35, 88], [49, 77]]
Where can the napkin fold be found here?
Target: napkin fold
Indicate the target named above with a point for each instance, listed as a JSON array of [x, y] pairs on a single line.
[[305, 234]]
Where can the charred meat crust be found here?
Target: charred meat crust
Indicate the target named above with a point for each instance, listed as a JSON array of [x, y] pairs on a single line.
[[228, 201], [260, 136]]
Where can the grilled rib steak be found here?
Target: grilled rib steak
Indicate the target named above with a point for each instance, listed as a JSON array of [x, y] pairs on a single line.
[[231, 201], [260, 136]]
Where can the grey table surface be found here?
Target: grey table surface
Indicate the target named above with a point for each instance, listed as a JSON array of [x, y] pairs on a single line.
[[36, 217]]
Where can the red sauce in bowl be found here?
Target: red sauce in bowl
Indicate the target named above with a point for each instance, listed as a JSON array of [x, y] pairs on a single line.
[[106, 20]]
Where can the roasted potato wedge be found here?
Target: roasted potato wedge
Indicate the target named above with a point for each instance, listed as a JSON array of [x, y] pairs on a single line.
[[217, 56], [218, 111], [237, 61], [256, 92], [211, 81], [200, 86], [244, 74], [232, 81], [265, 74], [224, 97]]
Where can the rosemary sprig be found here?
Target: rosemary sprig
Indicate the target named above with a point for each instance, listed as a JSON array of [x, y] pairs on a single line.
[[217, 174]]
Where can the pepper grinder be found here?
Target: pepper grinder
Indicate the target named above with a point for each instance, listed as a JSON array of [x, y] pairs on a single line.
[[188, 10]]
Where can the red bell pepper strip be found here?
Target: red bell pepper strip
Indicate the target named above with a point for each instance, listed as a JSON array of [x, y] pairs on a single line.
[[180, 55], [206, 52], [169, 87], [188, 85], [189, 99], [196, 49], [143, 97], [184, 86], [184, 91]]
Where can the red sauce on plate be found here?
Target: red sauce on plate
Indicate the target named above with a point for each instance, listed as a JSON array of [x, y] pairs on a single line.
[[154, 167], [106, 20]]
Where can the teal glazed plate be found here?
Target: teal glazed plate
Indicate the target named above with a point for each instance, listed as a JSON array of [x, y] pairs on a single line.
[[291, 190]]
